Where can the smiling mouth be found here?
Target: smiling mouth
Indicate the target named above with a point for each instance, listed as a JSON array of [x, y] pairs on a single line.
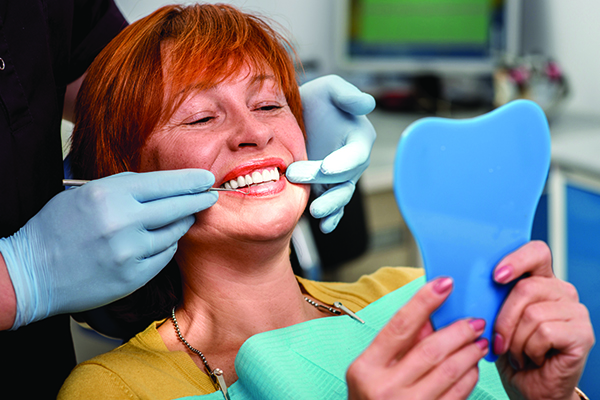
[[257, 177]]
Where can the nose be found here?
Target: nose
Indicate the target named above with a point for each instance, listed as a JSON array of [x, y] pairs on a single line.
[[250, 131]]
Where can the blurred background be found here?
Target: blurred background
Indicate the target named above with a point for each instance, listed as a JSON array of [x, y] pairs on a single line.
[[455, 59]]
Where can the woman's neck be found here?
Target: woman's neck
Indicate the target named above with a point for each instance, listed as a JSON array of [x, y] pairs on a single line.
[[253, 294], [229, 296]]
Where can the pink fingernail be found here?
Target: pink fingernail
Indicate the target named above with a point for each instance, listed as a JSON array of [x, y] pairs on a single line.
[[442, 285], [498, 344], [477, 324], [482, 344], [503, 274]]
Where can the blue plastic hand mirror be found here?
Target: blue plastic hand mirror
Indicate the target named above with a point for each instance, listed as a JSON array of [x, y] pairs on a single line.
[[468, 191]]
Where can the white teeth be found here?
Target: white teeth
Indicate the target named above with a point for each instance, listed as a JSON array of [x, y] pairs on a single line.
[[256, 178], [275, 174], [241, 181]]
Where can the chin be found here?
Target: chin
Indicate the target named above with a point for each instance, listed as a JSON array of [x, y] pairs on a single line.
[[270, 221], [251, 220], [269, 230]]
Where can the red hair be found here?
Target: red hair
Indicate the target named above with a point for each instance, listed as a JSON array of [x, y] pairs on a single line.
[[123, 98]]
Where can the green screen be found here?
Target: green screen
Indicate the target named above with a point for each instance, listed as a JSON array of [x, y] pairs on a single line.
[[433, 22]]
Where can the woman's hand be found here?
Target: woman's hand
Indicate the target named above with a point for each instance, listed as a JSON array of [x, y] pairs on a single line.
[[543, 332], [407, 360]]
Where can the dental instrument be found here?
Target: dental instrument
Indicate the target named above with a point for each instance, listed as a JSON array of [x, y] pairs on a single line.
[[81, 182]]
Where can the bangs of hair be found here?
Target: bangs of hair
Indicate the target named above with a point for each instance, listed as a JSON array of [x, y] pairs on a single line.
[[201, 54]]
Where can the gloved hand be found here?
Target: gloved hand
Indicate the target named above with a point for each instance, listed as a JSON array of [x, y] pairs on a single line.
[[339, 141], [99, 242]]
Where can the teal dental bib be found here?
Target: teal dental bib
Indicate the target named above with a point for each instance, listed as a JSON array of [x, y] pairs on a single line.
[[309, 361], [468, 191]]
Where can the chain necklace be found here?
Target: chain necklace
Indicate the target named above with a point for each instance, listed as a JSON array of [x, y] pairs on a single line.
[[216, 375]]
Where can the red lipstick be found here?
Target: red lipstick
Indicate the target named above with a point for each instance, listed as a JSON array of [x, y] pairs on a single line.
[[248, 167]]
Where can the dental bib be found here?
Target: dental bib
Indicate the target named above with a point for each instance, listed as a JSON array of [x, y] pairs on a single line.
[[309, 360], [468, 191]]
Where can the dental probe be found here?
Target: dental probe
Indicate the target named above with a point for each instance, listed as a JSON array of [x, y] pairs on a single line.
[[81, 182]]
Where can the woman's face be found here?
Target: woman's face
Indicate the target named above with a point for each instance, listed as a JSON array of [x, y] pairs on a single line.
[[237, 129]]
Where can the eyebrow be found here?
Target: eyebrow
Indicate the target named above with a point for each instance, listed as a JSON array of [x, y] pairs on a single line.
[[262, 78]]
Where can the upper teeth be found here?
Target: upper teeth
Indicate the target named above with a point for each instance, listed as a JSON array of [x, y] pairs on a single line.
[[253, 179]]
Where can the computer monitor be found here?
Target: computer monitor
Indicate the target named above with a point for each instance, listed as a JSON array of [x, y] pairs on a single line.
[[441, 37]]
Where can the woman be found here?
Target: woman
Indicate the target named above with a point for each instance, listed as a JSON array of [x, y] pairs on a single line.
[[234, 110]]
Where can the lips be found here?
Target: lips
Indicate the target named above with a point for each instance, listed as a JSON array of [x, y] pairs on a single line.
[[257, 176]]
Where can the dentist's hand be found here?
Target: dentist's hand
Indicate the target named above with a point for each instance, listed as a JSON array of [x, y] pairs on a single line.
[[339, 144], [94, 244]]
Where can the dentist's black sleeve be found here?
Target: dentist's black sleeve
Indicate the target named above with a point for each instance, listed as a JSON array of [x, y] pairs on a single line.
[[44, 45]]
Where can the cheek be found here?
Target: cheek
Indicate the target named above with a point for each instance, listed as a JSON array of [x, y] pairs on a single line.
[[177, 154], [297, 145], [149, 158], [301, 151]]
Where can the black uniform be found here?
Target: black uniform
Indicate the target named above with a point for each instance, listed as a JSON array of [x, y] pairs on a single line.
[[44, 45]]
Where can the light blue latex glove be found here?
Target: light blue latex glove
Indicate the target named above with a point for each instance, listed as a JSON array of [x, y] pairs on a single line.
[[339, 143], [99, 242]]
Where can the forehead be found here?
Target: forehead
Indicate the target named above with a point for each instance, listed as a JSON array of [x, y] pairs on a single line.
[[183, 77]]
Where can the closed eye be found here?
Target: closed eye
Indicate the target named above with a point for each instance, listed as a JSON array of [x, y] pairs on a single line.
[[200, 121], [270, 107]]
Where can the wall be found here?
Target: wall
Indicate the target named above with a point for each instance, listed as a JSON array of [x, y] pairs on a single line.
[[307, 21], [569, 32]]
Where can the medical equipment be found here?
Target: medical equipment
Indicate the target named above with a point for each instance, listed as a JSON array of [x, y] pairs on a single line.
[[468, 191], [81, 182]]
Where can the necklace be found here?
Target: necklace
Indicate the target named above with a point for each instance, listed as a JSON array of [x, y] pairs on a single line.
[[216, 375]]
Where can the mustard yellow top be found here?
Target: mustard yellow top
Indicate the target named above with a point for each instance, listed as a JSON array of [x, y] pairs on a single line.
[[144, 368]]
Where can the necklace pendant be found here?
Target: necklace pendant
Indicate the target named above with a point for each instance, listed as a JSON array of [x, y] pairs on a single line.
[[348, 311], [220, 381]]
